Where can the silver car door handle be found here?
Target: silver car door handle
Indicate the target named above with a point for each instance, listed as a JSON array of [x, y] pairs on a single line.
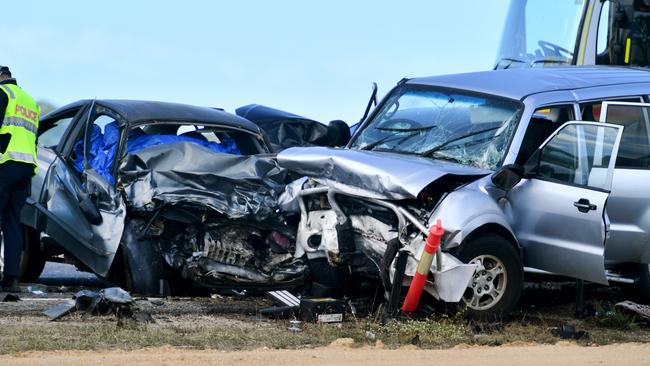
[[583, 205]]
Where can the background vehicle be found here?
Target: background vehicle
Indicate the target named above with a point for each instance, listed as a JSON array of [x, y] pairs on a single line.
[[286, 129], [584, 32], [495, 156]]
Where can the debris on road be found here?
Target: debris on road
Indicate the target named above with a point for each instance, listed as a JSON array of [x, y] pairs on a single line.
[[568, 331], [109, 300], [289, 304], [7, 297], [295, 326], [325, 310], [637, 309]]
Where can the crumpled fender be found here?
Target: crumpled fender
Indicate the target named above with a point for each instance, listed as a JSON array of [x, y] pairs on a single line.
[[468, 208]]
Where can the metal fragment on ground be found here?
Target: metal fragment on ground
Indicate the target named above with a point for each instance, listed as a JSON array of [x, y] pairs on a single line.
[[638, 309], [60, 310]]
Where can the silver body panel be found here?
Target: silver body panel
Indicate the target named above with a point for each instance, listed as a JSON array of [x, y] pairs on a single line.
[[628, 209], [377, 174], [545, 222]]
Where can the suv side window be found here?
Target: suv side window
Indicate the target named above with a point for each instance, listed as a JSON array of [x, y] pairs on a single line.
[[634, 152], [579, 155], [543, 123]]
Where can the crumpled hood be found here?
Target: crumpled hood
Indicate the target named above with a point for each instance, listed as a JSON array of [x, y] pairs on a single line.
[[387, 175], [186, 173]]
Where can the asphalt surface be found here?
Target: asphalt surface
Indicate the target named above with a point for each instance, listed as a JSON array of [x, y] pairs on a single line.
[[59, 274]]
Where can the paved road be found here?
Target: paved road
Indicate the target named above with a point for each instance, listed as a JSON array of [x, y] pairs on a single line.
[[59, 274]]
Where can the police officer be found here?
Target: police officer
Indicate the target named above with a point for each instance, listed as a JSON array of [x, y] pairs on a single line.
[[19, 115]]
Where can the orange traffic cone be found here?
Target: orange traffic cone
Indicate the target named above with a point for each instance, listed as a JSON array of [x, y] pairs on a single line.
[[417, 283]]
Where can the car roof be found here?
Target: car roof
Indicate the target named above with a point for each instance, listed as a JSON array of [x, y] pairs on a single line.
[[522, 82], [135, 111]]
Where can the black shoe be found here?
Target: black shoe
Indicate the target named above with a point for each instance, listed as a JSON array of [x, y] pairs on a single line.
[[10, 284]]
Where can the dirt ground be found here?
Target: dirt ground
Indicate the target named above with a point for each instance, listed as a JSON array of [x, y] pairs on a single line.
[[555, 355], [227, 330]]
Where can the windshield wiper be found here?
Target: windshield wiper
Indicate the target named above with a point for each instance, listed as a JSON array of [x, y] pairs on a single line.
[[387, 139], [447, 143], [415, 132], [512, 61], [423, 128], [549, 61]]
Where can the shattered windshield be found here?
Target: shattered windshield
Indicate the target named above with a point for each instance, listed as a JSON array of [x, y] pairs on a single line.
[[448, 125], [540, 33]]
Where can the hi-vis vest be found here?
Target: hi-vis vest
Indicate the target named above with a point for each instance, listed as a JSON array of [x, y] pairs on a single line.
[[21, 122]]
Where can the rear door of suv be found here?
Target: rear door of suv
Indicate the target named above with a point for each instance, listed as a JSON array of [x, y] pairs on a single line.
[[628, 207]]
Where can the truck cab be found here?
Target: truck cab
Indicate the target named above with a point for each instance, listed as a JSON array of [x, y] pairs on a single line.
[[575, 32]]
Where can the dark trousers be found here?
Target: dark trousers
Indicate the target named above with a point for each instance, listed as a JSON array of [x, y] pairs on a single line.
[[15, 180]]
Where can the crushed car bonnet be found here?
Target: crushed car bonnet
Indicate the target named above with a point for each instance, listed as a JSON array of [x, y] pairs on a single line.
[[380, 174]]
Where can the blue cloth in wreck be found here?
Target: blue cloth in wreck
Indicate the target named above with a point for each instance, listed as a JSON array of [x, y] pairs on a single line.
[[101, 153]]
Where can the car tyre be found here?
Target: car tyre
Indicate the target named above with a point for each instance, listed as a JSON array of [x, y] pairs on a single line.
[[32, 260], [494, 291]]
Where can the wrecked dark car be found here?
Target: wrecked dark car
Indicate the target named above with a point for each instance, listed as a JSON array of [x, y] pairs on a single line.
[[286, 129], [506, 160], [155, 195]]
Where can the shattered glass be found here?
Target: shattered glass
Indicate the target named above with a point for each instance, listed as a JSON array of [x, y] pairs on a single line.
[[467, 129]]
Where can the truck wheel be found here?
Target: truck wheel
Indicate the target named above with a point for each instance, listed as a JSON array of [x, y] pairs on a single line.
[[644, 282], [494, 291], [32, 260]]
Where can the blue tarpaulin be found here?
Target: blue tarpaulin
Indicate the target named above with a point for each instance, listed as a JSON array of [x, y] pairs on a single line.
[[101, 154]]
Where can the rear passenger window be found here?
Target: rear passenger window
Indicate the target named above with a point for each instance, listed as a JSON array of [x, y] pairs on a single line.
[[591, 111], [542, 124], [634, 152]]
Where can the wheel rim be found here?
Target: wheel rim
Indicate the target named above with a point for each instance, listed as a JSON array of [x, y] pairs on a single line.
[[488, 284]]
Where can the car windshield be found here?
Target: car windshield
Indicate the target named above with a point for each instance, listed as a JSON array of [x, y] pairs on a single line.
[[538, 33], [449, 125]]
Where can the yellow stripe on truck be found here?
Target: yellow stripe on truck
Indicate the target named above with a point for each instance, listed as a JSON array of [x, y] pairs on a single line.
[[628, 45], [585, 32]]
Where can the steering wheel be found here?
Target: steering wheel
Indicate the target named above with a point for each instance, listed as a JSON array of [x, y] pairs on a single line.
[[394, 125], [551, 49]]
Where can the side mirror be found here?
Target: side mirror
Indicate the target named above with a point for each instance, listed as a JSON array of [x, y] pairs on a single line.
[[508, 176], [89, 209]]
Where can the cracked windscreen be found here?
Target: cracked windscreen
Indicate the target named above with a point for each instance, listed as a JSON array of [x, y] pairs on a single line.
[[447, 125]]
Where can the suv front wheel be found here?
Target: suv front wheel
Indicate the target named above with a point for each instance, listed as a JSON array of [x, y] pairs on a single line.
[[495, 288]]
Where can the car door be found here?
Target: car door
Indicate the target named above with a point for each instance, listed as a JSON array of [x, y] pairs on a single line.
[[85, 215], [51, 134], [558, 211], [628, 206]]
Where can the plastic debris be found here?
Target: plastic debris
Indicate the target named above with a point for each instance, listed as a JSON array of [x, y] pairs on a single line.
[[295, 326], [638, 309], [109, 300], [60, 310], [116, 295], [568, 331], [9, 297]]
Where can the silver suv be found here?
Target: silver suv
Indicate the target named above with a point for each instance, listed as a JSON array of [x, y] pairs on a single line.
[[508, 162]]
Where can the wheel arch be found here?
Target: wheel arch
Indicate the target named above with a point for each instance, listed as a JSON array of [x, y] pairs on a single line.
[[495, 229]]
